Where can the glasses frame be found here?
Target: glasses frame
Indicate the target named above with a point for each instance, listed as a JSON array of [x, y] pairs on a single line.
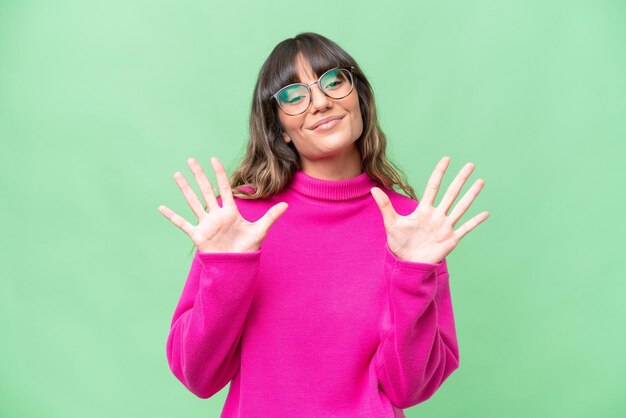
[[308, 87]]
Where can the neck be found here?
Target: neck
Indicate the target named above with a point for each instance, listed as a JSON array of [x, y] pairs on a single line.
[[338, 167]]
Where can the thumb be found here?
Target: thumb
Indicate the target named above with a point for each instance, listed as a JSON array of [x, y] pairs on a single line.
[[272, 215], [385, 206]]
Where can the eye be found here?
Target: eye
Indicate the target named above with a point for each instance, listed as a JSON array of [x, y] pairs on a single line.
[[333, 79], [294, 99], [292, 94]]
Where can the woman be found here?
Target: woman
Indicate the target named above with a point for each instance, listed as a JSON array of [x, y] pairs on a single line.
[[316, 289]]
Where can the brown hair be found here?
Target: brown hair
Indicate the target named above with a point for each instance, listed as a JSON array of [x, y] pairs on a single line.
[[269, 162]]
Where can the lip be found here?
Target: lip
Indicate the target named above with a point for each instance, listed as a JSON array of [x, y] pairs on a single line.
[[325, 120]]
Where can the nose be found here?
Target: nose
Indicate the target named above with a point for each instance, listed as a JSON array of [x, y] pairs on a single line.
[[318, 99]]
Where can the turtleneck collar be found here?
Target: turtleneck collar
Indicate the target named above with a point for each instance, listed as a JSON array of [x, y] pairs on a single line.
[[333, 190]]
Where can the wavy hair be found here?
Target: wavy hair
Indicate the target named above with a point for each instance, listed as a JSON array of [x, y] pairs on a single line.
[[269, 162]]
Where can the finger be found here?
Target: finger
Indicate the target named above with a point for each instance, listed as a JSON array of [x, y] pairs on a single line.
[[190, 196], [471, 224], [222, 182], [432, 187], [177, 220], [271, 216], [455, 187], [385, 206], [203, 183], [464, 204]]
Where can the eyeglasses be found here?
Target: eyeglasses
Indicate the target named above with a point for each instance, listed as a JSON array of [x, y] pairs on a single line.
[[295, 98]]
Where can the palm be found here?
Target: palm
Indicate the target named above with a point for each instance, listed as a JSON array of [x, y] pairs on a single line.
[[221, 228], [426, 238], [427, 234], [231, 226]]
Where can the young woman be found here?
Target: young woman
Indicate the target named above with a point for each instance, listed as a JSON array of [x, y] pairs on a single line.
[[316, 289]]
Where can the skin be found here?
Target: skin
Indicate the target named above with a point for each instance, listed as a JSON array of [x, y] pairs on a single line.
[[221, 228], [329, 155], [426, 235]]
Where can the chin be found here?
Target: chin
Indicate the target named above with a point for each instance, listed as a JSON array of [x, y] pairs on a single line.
[[336, 145], [334, 140]]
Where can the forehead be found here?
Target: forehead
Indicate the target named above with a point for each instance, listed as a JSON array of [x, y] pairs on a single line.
[[304, 71], [302, 67]]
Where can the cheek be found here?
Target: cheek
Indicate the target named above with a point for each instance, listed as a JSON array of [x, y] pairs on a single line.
[[356, 116], [291, 123]]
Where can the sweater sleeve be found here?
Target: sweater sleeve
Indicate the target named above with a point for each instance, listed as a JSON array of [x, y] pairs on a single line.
[[418, 348], [203, 349]]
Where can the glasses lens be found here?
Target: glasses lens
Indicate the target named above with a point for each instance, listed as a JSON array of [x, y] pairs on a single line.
[[293, 99], [337, 83]]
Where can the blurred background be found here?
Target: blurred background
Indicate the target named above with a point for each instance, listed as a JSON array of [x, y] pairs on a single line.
[[102, 101]]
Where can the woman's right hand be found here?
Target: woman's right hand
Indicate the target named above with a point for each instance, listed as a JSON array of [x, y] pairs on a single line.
[[221, 229]]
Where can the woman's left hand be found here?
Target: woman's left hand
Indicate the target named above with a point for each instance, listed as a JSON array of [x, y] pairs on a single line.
[[427, 234]]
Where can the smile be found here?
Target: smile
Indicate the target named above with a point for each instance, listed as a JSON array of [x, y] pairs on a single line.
[[328, 125]]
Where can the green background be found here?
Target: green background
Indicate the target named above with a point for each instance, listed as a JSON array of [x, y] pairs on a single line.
[[102, 101]]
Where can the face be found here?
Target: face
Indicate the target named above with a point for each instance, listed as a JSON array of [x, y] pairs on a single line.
[[335, 142]]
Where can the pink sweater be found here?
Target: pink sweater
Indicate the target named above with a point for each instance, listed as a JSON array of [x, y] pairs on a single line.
[[323, 320]]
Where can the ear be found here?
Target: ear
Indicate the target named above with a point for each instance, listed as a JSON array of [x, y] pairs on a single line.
[[286, 137]]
